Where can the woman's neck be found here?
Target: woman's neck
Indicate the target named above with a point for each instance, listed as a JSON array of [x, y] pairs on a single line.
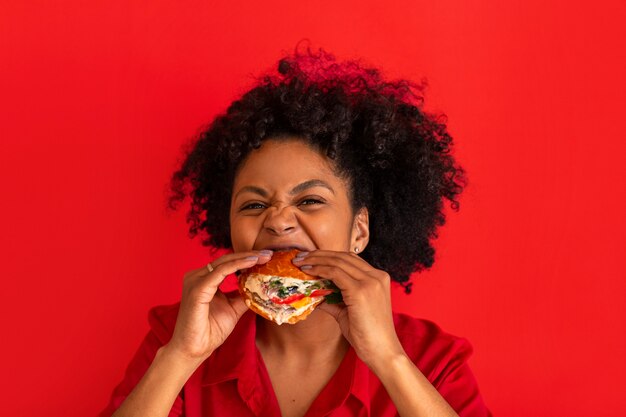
[[317, 337]]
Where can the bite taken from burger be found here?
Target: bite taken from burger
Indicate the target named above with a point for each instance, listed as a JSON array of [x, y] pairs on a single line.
[[279, 291]]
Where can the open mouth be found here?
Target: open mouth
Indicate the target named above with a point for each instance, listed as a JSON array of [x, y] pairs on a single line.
[[286, 248]]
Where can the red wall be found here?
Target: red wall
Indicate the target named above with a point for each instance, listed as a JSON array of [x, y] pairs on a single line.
[[97, 98]]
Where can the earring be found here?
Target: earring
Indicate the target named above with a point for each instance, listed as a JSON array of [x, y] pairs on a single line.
[[356, 250]]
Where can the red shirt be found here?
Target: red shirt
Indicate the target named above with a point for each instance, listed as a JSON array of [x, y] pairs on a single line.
[[233, 381]]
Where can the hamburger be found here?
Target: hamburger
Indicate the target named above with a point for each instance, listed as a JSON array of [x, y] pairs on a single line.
[[279, 291]]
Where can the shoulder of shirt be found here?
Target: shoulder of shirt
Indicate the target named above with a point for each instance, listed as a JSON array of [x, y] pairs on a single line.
[[421, 337], [162, 320]]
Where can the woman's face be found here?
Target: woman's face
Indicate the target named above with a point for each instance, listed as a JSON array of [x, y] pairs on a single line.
[[286, 195]]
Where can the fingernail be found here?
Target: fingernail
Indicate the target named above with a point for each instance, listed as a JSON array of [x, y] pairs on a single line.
[[299, 257], [266, 252], [306, 267], [252, 258]]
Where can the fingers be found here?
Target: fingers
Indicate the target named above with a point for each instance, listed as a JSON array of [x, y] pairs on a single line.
[[343, 268], [201, 284], [365, 317], [350, 263], [263, 255]]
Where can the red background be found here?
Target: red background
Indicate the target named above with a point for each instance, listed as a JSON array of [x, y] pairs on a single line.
[[97, 98]]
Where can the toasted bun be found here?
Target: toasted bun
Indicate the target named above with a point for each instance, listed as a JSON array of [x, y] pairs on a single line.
[[293, 319], [280, 265]]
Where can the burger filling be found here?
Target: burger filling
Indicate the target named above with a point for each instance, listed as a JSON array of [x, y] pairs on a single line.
[[284, 297]]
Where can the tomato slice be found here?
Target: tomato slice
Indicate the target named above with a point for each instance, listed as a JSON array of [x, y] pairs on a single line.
[[296, 297], [288, 300], [320, 293]]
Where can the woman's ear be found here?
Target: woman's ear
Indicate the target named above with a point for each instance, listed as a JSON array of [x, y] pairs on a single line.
[[360, 231]]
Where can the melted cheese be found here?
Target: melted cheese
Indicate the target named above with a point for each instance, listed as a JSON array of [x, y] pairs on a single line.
[[302, 302]]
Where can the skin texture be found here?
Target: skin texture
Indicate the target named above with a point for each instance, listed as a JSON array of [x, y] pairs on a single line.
[[272, 209]]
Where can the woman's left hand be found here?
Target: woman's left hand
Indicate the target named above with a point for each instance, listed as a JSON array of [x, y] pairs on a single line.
[[365, 318]]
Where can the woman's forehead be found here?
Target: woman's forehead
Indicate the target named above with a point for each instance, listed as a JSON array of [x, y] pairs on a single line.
[[285, 162]]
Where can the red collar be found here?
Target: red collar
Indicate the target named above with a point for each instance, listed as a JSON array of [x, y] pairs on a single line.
[[239, 359]]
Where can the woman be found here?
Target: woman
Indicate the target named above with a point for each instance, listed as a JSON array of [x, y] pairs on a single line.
[[329, 158]]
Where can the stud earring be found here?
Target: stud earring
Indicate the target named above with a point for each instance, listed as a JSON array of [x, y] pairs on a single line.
[[356, 250]]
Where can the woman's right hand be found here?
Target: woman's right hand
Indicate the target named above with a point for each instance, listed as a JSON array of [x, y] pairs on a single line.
[[206, 316]]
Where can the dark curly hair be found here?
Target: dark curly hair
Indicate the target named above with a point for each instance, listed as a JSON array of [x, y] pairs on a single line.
[[396, 157]]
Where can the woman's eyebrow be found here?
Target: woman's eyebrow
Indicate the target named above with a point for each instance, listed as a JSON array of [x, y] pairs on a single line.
[[310, 184], [295, 190], [252, 189]]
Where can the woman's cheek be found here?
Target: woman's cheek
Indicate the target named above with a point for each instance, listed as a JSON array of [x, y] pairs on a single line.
[[243, 233], [329, 234]]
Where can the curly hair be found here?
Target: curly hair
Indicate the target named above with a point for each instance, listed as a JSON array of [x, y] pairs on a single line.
[[396, 157]]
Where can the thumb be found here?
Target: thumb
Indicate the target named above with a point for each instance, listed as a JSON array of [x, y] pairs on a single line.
[[334, 310], [238, 305]]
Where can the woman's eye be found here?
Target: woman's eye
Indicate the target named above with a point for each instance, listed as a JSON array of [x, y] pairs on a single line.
[[253, 206], [310, 201]]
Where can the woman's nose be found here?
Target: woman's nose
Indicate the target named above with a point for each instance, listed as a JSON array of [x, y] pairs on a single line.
[[280, 221]]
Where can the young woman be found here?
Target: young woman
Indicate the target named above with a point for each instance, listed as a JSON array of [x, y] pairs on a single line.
[[331, 159]]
